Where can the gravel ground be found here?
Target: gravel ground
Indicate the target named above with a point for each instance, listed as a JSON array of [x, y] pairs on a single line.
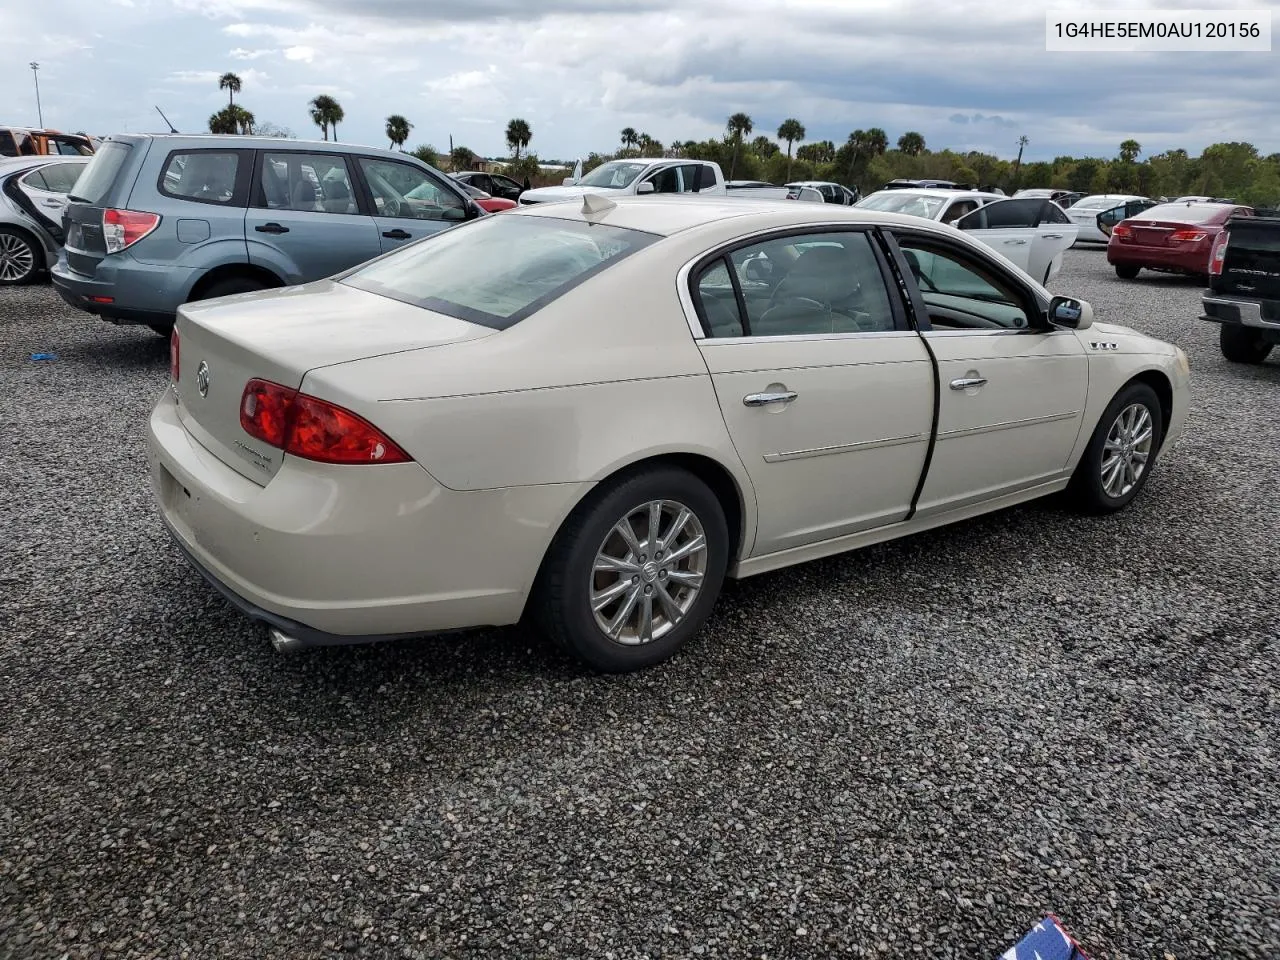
[[914, 750]]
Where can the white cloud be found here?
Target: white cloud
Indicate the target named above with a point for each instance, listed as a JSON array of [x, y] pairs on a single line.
[[240, 53], [303, 53]]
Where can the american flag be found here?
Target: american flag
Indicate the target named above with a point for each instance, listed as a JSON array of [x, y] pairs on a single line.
[[1046, 941]]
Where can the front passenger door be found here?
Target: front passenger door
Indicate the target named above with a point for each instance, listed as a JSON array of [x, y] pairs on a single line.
[[409, 203]]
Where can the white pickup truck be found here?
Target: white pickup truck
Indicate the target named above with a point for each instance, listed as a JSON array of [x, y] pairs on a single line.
[[646, 175]]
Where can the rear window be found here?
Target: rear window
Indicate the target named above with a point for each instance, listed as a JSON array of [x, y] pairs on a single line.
[[498, 270], [101, 172], [1183, 212]]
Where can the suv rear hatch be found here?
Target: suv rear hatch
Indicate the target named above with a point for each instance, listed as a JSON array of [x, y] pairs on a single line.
[[97, 188], [279, 336], [1251, 264]]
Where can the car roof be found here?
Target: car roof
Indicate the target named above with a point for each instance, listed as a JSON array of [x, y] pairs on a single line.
[[667, 216], [944, 193], [200, 140], [812, 183], [8, 164]]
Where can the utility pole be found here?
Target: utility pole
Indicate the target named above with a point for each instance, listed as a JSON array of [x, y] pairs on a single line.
[[35, 74]]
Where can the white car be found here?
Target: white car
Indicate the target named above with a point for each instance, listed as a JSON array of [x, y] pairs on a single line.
[[1032, 232], [591, 413], [1084, 213]]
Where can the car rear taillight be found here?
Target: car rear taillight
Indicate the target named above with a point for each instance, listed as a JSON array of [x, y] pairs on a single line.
[[1218, 254], [1187, 236], [1120, 230], [123, 228], [312, 428], [173, 355]]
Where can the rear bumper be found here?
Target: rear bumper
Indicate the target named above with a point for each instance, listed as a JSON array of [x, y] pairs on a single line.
[[1158, 258], [1219, 308], [340, 555], [139, 292]]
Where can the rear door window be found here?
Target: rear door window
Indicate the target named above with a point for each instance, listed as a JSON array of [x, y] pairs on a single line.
[[1004, 213], [310, 183], [205, 176], [55, 177]]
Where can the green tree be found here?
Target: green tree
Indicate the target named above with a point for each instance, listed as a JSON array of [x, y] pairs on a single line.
[[1129, 151], [764, 148], [738, 126], [462, 158], [820, 151], [629, 138], [518, 136], [877, 142], [232, 119], [326, 113], [427, 154], [397, 130], [230, 83], [1083, 175], [911, 143], [790, 130]]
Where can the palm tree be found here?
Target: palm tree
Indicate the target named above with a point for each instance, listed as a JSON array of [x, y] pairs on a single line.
[[877, 141], [1017, 164], [230, 83], [629, 138], [326, 112], [397, 130], [739, 126], [461, 158], [911, 143], [518, 135], [1129, 151], [790, 131]]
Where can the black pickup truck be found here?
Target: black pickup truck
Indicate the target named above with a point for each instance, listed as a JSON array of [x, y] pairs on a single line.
[[1244, 288]]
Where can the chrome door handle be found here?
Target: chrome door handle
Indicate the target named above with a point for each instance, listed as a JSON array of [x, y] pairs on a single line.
[[761, 399], [1053, 236], [1015, 242], [964, 383]]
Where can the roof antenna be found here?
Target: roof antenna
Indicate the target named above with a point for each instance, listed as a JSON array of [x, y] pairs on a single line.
[[593, 204], [172, 128]]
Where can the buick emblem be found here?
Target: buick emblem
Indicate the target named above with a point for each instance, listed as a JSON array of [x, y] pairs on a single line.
[[202, 378]]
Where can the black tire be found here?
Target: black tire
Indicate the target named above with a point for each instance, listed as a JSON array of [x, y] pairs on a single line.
[[1243, 344], [1086, 487], [229, 286], [561, 605], [1127, 271], [21, 259]]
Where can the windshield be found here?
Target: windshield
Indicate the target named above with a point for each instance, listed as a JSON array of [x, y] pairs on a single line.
[[1099, 203], [615, 174], [496, 271], [901, 201]]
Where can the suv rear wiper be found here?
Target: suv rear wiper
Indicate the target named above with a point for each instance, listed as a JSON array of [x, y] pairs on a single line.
[[74, 199]]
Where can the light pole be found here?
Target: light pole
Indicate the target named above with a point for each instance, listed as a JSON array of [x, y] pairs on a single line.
[[35, 75]]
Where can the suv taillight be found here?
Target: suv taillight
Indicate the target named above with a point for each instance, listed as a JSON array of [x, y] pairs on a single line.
[[124, 228], [1218, 254], [312, 428], [173, 355]]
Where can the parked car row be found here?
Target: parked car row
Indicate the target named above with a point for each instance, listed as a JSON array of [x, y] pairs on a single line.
[[31, 142]]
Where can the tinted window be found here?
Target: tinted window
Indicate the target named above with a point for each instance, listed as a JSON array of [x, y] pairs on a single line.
[[101, 172], [8, 146], [692, 175], [960, 291], [1052, 213], [666, 180], [402, 190], [496, 271], [206, 176], [308, 183], [958, 210], [55, 177], [1004, 213], [808, 284]]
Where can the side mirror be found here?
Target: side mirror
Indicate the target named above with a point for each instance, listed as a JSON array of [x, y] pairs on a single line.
[[568, 182], [1066, 312], [646, 187]]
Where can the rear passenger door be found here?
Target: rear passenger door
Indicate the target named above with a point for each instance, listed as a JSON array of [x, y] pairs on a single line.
[[1007, 226], [408, 203], [827, 395], [305, 220]]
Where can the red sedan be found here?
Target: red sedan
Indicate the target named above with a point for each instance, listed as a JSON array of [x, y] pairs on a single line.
[[488, 202], [1173, 237]]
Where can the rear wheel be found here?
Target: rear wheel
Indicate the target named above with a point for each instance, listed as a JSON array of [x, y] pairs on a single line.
[[635, 570], [1243, 344], [20, 260], [229, 286], [1122, 451], [1126, 271]]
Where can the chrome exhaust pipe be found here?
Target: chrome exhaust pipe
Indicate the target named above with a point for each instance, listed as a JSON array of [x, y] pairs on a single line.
[[284, 643]]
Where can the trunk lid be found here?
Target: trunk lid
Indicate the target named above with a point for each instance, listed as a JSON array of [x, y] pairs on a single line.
[[1156, 233], [1251, 266], [280, 336], [82, 219]]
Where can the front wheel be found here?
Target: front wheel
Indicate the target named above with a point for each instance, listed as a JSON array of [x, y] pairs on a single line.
[[20, 260], [635, 570], [1127, 271], [1121, 452], [1243, 344]]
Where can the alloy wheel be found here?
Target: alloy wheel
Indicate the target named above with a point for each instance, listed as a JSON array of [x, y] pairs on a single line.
[[648, 572], [17, 259], [1127, 450]]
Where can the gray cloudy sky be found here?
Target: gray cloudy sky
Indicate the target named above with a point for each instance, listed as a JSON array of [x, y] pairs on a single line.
[[969, 74]]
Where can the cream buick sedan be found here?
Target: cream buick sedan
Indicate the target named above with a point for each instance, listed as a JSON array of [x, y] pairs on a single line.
[[593, 412]]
